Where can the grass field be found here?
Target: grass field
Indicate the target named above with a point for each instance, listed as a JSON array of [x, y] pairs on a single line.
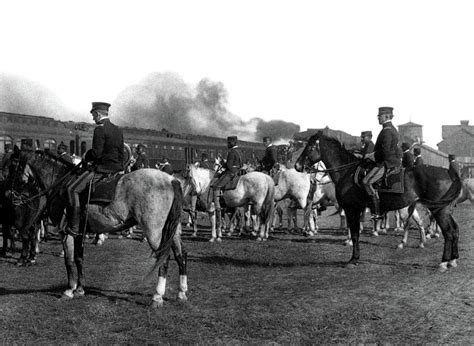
[[290, 289]]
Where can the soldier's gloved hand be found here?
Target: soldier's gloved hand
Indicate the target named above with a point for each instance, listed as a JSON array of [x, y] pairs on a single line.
[[370, 156]]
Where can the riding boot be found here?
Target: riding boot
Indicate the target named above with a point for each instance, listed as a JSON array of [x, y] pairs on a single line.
[[73, 216], [375, 207]]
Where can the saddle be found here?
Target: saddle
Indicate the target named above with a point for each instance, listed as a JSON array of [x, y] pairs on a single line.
[[392, 181], [103, 190], [231, 184]]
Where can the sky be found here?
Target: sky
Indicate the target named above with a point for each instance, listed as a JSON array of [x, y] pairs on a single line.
[[311, 63]]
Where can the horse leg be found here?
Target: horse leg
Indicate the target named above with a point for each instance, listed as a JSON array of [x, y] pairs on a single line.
[[450, 231], [404, 215], [353, 217], [161, 286], [419, 222], [181, 257], [398, 222], [68, 246], [193, 217], [79, 261], [25, 247]]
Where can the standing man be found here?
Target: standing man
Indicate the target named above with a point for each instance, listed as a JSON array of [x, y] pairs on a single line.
[[141, 160], [367, 146], [418, 159], [385, 156], [269, 159], [6, 161], [454, 165], [407, 158], [62, 153], [106, 157], [231, 167]]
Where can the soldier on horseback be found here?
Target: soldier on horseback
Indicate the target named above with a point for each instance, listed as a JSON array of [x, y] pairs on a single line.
[[232, 168], [386, 156], [106, 155], [269, 159]]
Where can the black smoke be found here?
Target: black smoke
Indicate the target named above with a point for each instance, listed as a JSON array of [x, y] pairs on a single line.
[[165, 101]]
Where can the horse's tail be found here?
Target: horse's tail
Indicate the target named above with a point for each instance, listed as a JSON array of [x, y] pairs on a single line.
[[448, 198], [269, 201], [169, 229]]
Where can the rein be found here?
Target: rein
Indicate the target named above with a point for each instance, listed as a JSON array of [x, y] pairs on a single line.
[[334, 169]]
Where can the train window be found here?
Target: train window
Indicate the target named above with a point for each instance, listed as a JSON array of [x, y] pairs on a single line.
[[38, 144], [83, 148], [5, 140], [164, 147], [172, 147], [49, 144]]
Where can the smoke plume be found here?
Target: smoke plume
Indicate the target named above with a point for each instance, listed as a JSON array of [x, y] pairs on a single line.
[[164, 100], [159, 101]]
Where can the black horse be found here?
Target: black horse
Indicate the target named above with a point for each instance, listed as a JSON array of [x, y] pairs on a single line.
[[6, 219], [434, 187]]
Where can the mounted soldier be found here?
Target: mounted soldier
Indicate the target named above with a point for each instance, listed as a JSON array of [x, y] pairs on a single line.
[[231, 167], [63, 154], [386, 156], [106, 157], [204, 163], [418, 161], [454, 165], [407, 158], [269, 159], [367, 146], [141, 161]]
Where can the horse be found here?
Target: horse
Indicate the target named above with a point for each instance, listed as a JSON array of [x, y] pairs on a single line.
[[254, 188], [432, 186], [467, 191], [147, 197], [6, 219]]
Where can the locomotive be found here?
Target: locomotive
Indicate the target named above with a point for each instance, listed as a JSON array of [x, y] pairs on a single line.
[[180, 149]]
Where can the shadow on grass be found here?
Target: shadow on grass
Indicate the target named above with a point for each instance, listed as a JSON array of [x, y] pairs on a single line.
[[52, 290], [236, 262]]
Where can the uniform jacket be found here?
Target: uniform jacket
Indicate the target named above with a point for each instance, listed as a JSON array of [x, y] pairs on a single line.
[[233, 163], [141, 162], [418, 161], [367, 148], [107, 148], [407, 159], [269, 158], [386, 147], [454, 166]]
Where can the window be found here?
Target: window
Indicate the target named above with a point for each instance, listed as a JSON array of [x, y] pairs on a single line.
[[72, 147], [49, 144], [5, 140], [83, 148]]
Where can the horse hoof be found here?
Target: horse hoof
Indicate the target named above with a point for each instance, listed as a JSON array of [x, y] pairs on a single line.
[[67, 295], [400, 246], [79, 292], [259, 239], [21, 262], [182, 296], [421, 246], [219, 239], [443, 267], [348, 242], [212, 240], [229, 234], [156, 303], [452, 263], [351, 265], [264, 239], [375, 234]]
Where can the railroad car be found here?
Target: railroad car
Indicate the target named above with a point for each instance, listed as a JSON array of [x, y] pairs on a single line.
[[180, 149]]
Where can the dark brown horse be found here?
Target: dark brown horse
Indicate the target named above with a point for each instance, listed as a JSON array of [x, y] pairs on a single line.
[[434, 187]]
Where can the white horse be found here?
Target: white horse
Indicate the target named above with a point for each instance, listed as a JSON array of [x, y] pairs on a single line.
[[254, 188]]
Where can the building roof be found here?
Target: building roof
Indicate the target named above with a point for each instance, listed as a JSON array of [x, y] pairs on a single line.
[[411, 124]]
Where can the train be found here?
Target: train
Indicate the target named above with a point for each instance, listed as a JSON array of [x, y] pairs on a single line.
[[180, 149]]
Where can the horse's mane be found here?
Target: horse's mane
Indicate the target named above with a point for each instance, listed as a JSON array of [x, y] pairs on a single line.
[[337, 144], [43, 164]]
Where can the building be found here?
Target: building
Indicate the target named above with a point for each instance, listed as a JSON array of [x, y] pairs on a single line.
[[459, 140]]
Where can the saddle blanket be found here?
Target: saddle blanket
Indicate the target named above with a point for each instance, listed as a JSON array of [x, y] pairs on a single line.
[[103, 191]]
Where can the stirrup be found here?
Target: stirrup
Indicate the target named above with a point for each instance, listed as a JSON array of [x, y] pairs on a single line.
[[376, 217]]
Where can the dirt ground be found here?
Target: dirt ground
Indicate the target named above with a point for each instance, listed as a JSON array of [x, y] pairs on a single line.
[[290, 289]]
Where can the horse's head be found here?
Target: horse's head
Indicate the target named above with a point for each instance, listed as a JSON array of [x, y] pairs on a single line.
[[310, 155]]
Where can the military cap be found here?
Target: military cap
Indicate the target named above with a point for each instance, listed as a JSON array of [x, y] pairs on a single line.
[[405, 146], [417, 151], [164, 160], [232, 138], [267, 138], [366, 133], [100, 106], [62, 145], [451, 157], [204, 156], [386, 110]]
